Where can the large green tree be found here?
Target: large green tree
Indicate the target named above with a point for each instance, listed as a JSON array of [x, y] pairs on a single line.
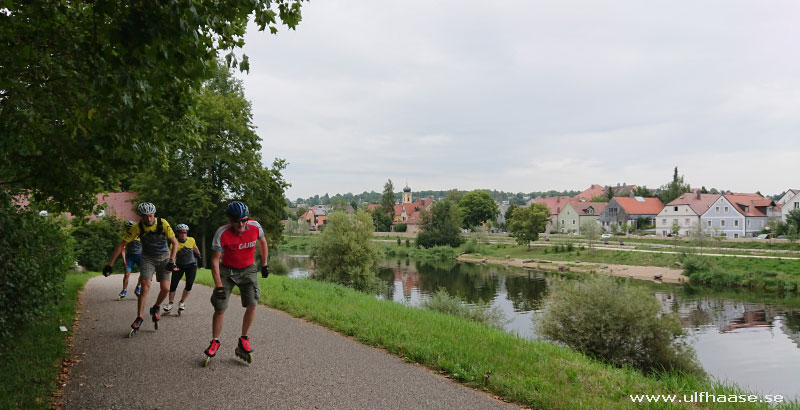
[[387, 199], [526, 223], [197, 181], [91, 91], [441, 226], [477, 207]]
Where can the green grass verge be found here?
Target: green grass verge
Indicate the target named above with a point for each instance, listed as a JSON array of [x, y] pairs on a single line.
[[533, 373], [32, 362]]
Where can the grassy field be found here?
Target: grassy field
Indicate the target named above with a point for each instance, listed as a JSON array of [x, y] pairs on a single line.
[[32, 361], [532, 373]]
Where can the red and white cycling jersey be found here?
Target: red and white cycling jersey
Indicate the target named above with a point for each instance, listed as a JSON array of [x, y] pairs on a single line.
[[238, 251]]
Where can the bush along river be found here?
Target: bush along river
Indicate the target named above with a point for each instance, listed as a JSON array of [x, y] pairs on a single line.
[[747, 337]]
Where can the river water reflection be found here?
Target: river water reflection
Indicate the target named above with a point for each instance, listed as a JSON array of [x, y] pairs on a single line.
[[751, 338]]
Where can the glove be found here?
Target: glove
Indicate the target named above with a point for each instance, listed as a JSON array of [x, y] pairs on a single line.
[[265, 271], [107, 270], [171, 266], [219, 293]]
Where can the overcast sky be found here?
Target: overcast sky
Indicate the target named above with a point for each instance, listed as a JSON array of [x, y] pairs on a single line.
[[531, 95]]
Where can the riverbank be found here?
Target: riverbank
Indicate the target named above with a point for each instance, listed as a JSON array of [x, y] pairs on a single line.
[[651, 273], [533, 373], [780, 274], [35, 362]]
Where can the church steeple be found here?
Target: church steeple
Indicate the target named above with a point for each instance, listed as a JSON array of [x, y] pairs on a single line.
[[406, 194]]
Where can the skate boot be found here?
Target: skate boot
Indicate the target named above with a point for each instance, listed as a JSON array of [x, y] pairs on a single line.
[[243, 351], [213, 347], [181, 308], [168, 308], [122, 294], [156, 315], [138, 290], [135, 326]]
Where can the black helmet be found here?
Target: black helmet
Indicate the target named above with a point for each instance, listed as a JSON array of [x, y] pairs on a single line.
[[237, 210]]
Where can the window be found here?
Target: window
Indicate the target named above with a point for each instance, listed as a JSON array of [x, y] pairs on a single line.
[[664, 221], [722, 222], [748, 223], [573, 222], [676, 209], [726, 209], [736, 235], [736, 223], [674, 221], [716, 209], [709, 224], [686, 221], [797, 205]]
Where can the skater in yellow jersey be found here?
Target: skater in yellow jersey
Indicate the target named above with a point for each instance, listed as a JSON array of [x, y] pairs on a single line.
[[186, 259]]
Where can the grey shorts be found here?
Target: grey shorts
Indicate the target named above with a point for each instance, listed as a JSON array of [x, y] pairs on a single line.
[[157, 265], [247, 281]]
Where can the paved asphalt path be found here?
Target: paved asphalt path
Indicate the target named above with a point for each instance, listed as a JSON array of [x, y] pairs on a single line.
[[297, 365]]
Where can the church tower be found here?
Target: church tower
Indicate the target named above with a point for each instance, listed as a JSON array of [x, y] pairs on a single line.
[[406, 194]]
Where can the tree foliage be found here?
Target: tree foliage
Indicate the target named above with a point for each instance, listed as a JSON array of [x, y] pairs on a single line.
[[477, 207], [440, 226], [591, 230], [92, 91], [674, 188], [345, 254], [381, 220], [95, 239], [526, 223], [793, 219], [198, 180], [387, 199]]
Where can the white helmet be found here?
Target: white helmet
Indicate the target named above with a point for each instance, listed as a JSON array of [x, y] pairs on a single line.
[[146, 208], [182, 227], [130, 223]]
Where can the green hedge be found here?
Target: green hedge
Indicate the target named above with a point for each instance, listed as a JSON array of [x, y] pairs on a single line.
[[35, 254], [95, 240]]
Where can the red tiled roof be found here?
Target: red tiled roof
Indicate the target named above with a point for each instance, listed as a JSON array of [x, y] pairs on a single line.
[[581, 207], [554, 203], [751, 201], [699, 205], [633, 206], [593, 191]]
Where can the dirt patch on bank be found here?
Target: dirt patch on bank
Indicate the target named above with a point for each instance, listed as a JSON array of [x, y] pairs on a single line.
[[651, 273]]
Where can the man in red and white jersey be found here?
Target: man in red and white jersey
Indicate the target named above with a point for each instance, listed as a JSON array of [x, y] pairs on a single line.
[[233, 264]]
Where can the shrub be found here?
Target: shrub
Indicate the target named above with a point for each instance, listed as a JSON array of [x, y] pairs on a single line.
[[95, 240], [471, 246], [694, 263], [482, 312], [400, 228], [344, 253], [618, 324], [277, 266], [35, 254], [408, 243]]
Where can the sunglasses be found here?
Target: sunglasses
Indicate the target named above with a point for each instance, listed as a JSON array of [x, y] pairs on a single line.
[[240, 221]]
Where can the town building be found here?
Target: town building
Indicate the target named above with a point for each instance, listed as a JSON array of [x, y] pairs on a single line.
[[629, 210], [576, 213], [684, 213], [738, 215]]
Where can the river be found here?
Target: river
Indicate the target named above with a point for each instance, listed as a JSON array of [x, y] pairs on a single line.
[[748, 337]]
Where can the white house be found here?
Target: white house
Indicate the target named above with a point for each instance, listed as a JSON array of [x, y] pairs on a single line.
[[685, 212], [738, 215], [789, 203], [576, 213]]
